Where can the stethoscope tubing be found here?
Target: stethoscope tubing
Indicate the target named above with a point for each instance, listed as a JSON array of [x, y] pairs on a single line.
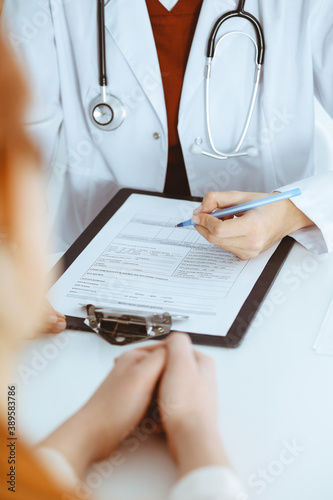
[[236, 153], [107, 112], [212, 46], [117, 111], [239, 12], [103, 79]]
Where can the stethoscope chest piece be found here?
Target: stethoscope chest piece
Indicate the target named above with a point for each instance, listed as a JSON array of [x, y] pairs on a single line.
[[107, 112]]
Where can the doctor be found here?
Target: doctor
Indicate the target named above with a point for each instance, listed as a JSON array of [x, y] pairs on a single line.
[[168, 134]]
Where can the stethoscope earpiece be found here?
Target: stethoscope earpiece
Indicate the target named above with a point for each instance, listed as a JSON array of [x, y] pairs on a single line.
[[252, 152], [196, 149]]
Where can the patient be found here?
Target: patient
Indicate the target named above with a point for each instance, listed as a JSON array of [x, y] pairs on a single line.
[[186, 395]]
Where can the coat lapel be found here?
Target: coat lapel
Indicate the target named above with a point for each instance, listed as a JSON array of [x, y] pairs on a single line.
[[128, 23]]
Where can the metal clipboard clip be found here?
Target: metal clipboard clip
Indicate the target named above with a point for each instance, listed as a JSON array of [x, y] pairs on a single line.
[[121, 327]]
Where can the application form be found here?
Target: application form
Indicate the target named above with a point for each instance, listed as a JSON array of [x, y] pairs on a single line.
[[141, 262]]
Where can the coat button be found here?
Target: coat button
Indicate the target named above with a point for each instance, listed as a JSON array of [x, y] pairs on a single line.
[[156, 136]]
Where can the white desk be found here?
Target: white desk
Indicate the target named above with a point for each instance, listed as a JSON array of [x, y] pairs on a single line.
[[273, 389]]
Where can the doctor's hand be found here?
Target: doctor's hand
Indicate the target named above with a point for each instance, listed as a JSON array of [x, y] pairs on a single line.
[[248, 234], [187, 401], [113, 412]]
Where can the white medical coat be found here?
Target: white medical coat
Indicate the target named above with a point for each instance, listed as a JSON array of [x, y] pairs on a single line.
[[57, 40]]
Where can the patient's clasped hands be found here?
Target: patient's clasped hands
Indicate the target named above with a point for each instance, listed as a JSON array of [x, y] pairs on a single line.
[[183, 382]]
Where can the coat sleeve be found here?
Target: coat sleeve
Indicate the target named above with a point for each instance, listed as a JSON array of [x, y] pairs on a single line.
[[322, 49], [316, 200], [213, 483], [28, 26], [316, 203]]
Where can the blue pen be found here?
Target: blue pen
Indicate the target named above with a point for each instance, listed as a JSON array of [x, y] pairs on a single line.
[[244, 207]]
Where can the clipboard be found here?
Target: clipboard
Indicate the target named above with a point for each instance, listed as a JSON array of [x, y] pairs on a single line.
[[245, 315]]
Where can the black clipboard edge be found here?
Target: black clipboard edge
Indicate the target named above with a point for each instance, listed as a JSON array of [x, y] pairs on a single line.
[[258, 293], [247, 312]]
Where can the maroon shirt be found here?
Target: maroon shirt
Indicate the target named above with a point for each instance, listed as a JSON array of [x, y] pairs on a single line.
[[173, 33]]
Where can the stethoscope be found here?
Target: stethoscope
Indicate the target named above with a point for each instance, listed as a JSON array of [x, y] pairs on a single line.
[[259, 45], [108, 113]]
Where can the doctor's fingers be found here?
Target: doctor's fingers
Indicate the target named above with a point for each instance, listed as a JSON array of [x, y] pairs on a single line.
[[243, 246], [227, 228], [236, 246], [224, 199]]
